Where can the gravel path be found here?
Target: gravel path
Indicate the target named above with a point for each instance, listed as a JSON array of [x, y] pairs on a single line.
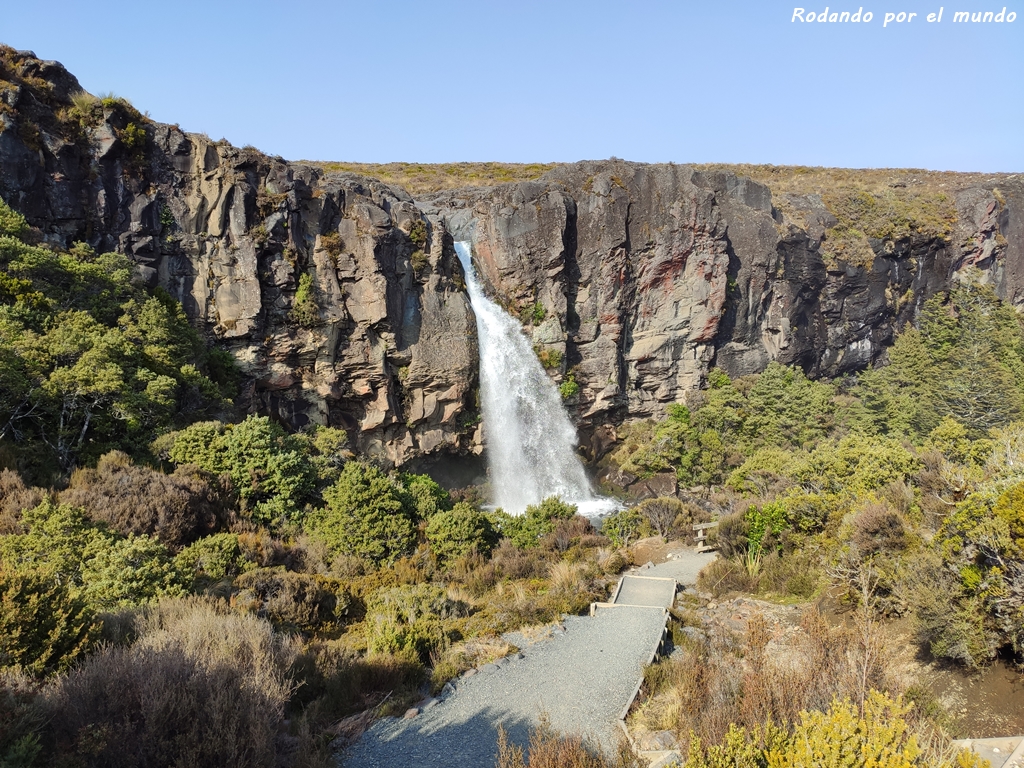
[[683, 565], [581, 678], [644, 590]]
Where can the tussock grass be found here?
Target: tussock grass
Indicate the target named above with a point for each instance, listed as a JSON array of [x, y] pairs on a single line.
[[887, 204], [550, 749], [205, 685], [424, 178]]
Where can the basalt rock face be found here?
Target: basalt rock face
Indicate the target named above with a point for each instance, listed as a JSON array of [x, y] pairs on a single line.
[[384, 346], [635, 280], [650, 275]]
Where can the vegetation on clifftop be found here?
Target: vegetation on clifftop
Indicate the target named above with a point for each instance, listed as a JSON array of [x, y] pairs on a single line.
[[424, 178]]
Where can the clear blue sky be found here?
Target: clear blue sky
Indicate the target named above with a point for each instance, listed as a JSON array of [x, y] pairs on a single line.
[[713, 81]]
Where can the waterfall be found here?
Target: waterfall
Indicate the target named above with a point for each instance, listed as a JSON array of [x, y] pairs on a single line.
[[531, 444]]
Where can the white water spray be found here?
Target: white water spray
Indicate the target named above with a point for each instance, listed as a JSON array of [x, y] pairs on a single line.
[[531, 444]]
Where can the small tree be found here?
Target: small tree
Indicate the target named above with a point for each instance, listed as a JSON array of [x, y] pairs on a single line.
[[272, 476], [455, 532], [661, 513], [623, 528], [367, 515], [428, 497]]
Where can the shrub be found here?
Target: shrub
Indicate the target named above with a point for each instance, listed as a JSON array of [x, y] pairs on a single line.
[[367, 515], [950, 623], [12, 223], [43, 627], [334, 681], [569, 387], [332, 243], [410, 620], [732, 534], [177, 508], [22, 721], [537, 521], [418, 233], [511, 562], [428, 497], [1010, 507], [272, 476], [551, 359], [129, 571], [550, 749], [457, 532], [843, 736], [293, 601], [661, 514], [199, 687], [537, 313], [305, 308], [877, 529], [15, 497], [623, 528], [739, 748], [764, 524], [725, 575], [211, 559], [574, 531], [857, 463]]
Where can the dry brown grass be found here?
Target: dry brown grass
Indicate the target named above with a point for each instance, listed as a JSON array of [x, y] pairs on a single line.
[[457, 658], [550, 749], [199, 687], [15, 497], [336, 683], [715, 683], [424, 178], [882, 203]]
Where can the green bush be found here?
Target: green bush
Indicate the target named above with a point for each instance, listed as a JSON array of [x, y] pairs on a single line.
[[624, 527], [128, 571], [666, 516], [459, 531], [366, 514], [569, 387], [12, 223], [537, 521], [411, 620], [105, 569], [211, 559], [44, 627], [305, 308], [428, 497], [270, 472], [846, 736]]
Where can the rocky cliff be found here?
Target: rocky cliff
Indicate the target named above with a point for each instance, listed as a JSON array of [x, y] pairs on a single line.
[[343, 301]]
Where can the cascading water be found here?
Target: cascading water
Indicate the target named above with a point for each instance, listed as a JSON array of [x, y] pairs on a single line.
[[531, 444]]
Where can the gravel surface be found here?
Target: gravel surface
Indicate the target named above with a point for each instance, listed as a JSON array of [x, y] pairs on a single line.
[[643, 590], [581, 678], [682, 565]]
